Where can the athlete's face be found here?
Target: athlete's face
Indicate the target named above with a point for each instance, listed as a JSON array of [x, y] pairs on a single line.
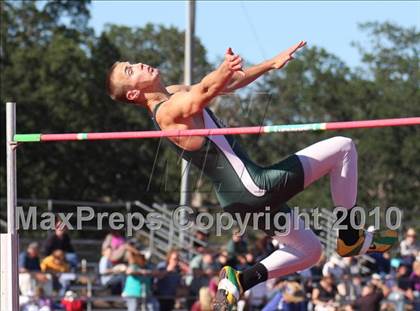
[[138, 76]]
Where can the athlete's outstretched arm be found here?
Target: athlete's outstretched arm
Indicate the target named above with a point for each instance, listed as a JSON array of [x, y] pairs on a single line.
[[215, 82], [215, 78], [185, 104], [241, 79]]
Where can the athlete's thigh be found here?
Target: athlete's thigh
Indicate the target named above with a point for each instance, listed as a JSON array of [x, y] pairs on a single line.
[[299, 235], [320, 158], [284, 179]]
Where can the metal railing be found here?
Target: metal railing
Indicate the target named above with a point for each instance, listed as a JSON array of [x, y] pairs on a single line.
[[159, 241]]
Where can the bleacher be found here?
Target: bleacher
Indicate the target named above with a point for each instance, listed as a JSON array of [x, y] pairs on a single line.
[[88, 241]]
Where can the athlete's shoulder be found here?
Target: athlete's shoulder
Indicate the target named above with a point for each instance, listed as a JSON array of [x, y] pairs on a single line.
[[178, 88], [172, 110]]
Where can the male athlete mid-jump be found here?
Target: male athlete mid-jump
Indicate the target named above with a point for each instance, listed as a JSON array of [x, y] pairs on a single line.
[[242, 185]]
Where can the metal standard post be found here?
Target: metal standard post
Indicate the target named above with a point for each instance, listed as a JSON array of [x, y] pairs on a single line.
[[185, 195], [9, 294]]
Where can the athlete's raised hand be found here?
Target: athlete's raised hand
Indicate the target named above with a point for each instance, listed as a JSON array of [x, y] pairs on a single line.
[[284, 57], [233, 61]]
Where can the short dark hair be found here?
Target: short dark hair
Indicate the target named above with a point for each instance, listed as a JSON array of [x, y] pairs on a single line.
[[116, 89]]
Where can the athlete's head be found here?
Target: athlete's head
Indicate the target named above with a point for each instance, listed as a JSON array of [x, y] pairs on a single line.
[[128, 82]]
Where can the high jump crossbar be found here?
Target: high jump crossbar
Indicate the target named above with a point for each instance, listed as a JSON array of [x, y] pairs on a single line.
[[326, 126]]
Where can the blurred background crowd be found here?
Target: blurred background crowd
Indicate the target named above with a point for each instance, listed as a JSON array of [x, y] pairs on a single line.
[[52, 277]]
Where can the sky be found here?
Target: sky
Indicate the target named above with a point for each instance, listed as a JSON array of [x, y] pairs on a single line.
[[258, 30]]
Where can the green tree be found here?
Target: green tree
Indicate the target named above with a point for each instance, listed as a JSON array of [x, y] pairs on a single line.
[[390, 88], [57, 77], [30, 37]]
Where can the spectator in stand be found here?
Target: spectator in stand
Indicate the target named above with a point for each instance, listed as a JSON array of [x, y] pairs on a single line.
[[356, 286], [316, 270], [35, 301], [202, 236], [30, 274], [168, 283], [44, 303], [334, 267], [288, 296], [250, 259], [349, 265], [409, 246], [324, 294], [401, 291], [345, 289], [294, 296], [138, 285], [244, 261], [202, 268], [223, 260], [372, 295], [390, 280], [403, 273], [119, 246], [57, 265], [61, 240], [43, 300], [237, 246], [29, 260], [213, 285], [263, 247], [112, 276], [415, 276], [204, 302], [257, 296], [404, 283], [202, 262], [382, 263], [276, 301], [415, 284], [71, 302], [241, 263]]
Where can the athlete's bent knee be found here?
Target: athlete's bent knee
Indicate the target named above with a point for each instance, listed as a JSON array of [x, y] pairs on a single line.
[[346, 144]]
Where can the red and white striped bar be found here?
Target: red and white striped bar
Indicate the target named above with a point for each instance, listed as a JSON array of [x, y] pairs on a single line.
[[329, 126]]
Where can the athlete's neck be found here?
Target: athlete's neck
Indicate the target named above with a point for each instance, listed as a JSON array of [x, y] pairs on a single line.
[[153, 97]]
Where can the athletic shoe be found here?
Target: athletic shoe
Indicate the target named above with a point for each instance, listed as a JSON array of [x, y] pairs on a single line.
[[369, 241], [228, 291]]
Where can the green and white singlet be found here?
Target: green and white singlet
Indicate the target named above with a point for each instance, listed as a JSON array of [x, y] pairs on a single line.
[[241, 185]]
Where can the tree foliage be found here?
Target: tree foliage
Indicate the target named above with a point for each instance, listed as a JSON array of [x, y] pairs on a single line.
[[56, 73]]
